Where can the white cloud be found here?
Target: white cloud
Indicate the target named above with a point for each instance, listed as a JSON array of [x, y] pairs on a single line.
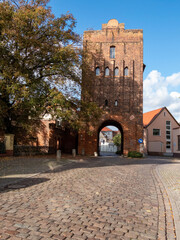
[[174, 79], [157, 93]]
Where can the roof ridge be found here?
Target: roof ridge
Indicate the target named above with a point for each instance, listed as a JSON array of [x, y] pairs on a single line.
[[154, 110]]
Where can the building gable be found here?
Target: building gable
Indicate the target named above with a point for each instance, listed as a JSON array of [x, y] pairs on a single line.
[[150, 117]]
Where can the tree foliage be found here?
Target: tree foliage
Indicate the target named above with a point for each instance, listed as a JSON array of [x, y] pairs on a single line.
[[117, 140], [39, 66]]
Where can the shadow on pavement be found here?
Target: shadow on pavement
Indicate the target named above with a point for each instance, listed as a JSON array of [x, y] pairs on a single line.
[[33, 166], [113, 161], [22, 178], [18, 183]]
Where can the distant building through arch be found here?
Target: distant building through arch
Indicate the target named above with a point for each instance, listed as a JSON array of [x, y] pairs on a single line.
[[120, 131]]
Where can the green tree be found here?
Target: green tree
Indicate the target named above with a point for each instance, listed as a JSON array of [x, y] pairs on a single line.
[[117, 140], [40, 64]]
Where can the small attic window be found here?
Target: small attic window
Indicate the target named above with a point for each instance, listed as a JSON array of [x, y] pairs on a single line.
[[97, 71], [116, 72], [164, 114], [106, 71], [106, 103], [126, 71]]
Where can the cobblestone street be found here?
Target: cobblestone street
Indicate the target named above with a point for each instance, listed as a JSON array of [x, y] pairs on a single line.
[[98, 198]]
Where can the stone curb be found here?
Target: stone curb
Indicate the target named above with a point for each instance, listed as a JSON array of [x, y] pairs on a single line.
[[174, 208]]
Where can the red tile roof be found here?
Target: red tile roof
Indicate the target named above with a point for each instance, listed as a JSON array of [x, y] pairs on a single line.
[[105, 129], [149, 116]]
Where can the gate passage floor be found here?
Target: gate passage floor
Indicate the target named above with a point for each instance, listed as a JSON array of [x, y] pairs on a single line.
[[100, 198]]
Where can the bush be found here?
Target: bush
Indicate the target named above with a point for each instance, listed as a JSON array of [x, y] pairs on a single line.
[[118, 152], [135, 154], [2, 147]]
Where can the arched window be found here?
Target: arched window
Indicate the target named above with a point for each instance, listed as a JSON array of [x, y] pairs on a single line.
[[106, 103], [106, 71], [97, 71], [116, 72], [112, 52], [126, 71], [115, 103]]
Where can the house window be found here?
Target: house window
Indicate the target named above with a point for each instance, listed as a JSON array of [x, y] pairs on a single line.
[[116, 72], [168, 135], [168, 144], [106, 103], [126, 71], [156, 132], [178, 142], [97, 71], [115, 103], [106, 71], [112, 52], [168, 129]]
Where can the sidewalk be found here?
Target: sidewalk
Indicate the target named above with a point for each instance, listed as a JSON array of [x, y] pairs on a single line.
[[170, 176], [15, 169]]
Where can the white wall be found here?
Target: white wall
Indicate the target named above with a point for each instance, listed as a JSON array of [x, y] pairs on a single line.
[[176, 132]]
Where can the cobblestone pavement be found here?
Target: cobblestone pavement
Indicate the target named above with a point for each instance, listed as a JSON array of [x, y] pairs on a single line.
[[14, 169], [170, 176], [102, 198]]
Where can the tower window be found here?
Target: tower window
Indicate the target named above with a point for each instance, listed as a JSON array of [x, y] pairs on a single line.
[[112, 52], [116, 72], [97, 71], [106, 103], [126, 71], [106, 71], [115, 103]]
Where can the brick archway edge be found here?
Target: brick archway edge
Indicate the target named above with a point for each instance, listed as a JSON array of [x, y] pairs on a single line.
[[114, 124]]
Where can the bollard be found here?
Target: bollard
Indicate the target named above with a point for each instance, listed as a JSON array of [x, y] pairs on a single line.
[[58, 156], [95, 154], [73, 152], [141, 147], [83, 152]]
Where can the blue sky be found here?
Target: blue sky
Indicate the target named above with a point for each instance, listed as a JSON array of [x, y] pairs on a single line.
[[160, 21]]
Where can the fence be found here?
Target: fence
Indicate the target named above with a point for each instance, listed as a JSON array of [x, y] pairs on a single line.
[[108, 148], [32, 150]]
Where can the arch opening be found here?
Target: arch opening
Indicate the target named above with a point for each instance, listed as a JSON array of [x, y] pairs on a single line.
[[110, 139]]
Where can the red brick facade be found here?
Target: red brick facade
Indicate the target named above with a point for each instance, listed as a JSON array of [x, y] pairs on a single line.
[[49, 137], [57, 138], [116, 83]]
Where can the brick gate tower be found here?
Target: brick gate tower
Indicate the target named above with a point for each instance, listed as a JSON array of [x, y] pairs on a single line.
[[115, 58]]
